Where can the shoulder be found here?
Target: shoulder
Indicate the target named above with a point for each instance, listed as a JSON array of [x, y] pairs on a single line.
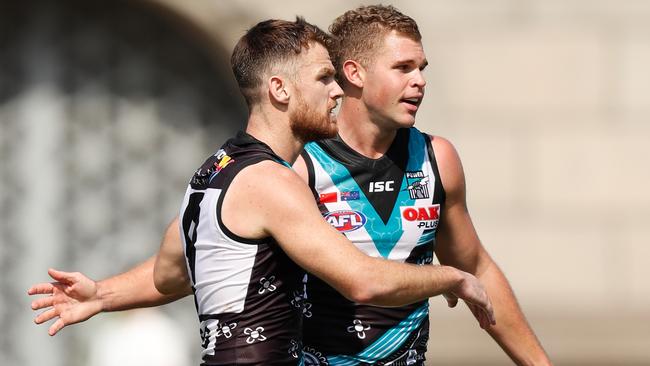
[[262, 195], [449, 164], [267, 174], [271, 182], [443, 148]]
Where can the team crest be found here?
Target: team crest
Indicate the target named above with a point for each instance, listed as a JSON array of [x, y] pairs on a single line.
[[417, 185]]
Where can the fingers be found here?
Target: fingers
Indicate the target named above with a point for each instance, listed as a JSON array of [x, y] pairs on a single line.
[[56, 326], [490, 313], [45, 316], [488, 310], [43, 302], [479, 314], [484, 316], [49, 315], [41, 289], [452, 300], [65, 277]]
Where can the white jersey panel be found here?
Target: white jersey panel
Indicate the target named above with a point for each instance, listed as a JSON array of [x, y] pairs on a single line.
[[223, 266]]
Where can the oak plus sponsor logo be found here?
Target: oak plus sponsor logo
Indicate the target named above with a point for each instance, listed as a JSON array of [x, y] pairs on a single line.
[[420, 217], [346, 220]]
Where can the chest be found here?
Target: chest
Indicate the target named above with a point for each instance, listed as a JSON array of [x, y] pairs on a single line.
[[385, 211]]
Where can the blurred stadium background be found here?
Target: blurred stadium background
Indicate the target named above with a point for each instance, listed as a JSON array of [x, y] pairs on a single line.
[[107, 107]]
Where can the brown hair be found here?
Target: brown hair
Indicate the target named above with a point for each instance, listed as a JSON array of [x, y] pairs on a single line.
[[361, 31], [270, 44]]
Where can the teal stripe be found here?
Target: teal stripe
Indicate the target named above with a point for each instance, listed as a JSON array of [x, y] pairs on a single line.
[[383, 236], [427, 237], [388, 343], [281, 161]]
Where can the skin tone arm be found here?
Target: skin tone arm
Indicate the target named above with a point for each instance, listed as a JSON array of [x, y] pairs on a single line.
[[459, 246], [276, 206], [75, 298]]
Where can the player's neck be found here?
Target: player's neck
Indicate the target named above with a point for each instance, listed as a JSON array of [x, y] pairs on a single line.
[[359, 132], [274, 131]]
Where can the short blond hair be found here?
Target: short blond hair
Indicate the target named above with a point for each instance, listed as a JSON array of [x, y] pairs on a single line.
[[360, 32]]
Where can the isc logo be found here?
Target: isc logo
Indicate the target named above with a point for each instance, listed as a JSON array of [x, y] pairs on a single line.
[[421, 217], [386, 186], [345, 220]]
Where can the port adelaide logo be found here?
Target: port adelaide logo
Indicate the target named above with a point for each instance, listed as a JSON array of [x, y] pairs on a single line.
[[417, 185], [346, 220]]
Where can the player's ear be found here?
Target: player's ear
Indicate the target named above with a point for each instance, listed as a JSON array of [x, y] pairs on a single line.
[[354, 73], [279, 89]]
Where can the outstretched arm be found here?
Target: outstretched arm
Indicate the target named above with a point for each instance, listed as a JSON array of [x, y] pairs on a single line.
[[74, 298], [458, 245]]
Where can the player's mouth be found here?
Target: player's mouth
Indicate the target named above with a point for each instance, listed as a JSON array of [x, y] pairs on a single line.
[[332, 109], [412, 103]]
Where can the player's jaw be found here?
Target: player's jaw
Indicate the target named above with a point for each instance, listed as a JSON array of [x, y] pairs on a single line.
[[311, 124]]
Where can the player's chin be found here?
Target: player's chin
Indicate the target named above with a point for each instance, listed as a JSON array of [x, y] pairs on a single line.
[[406, 122], [332, 129]]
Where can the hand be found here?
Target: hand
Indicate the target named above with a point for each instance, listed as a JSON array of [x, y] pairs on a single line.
[[73, 299], [472, 292]]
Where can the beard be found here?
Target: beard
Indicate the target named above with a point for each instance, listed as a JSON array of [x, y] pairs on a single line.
[[307, 124]]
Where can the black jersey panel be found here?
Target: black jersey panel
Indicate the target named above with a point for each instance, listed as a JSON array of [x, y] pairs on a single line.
[[379, 179]]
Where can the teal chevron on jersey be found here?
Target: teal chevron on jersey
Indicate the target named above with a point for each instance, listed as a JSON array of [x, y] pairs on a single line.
[[384, 236], [388, 343]]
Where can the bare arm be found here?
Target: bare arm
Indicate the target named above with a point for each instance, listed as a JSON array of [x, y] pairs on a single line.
[[170, 272], [459, 246], [282, 206], [76, 298]]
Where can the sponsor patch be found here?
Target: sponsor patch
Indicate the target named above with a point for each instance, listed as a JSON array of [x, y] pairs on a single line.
[[420, 217], [223, 161], [346, 220], [417, 185], [206, 173], [350, 196]]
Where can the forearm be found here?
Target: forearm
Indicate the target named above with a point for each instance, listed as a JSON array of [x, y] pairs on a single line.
[[397, 284], [133, 289], [512, 332]]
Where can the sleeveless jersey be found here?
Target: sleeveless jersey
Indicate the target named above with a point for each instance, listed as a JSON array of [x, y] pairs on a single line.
[[388, 207], [248, 293]]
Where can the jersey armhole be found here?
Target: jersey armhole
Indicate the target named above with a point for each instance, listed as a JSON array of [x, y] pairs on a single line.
[[219, 221], [311, 175], [438, 187]]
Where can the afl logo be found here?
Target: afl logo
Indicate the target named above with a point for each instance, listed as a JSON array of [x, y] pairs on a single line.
[[345, 220]]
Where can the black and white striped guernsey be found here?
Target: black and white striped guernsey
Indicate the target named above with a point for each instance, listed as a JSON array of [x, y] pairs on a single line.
[[248, 293]]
